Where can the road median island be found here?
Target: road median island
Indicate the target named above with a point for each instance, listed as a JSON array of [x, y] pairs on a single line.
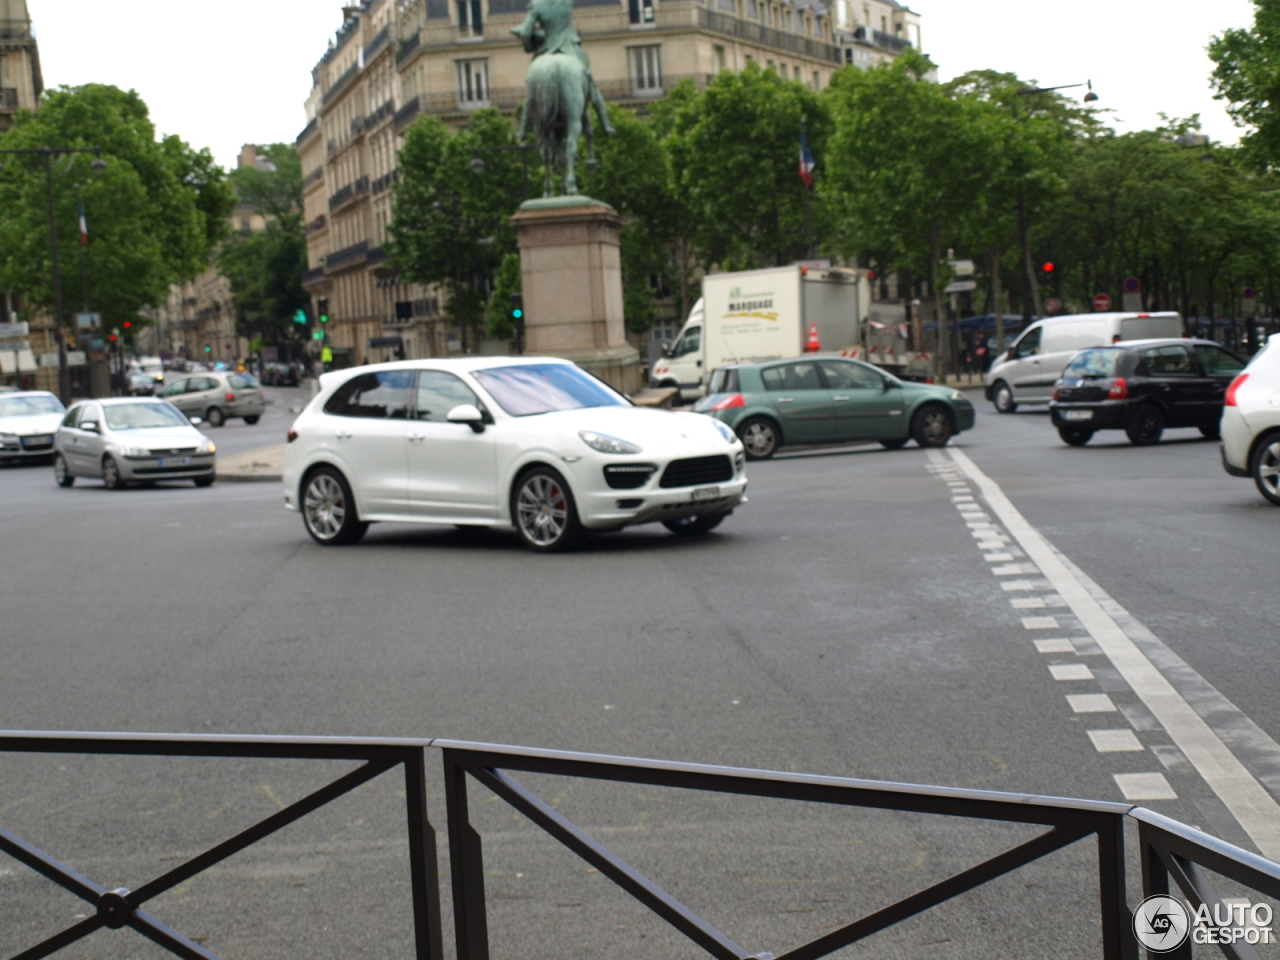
[[264, 465]]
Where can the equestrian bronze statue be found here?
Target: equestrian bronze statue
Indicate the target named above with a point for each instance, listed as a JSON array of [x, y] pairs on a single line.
[[559, 90]]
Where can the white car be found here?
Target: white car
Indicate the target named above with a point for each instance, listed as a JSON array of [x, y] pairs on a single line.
[[490, 441], [28, 421], [1251, 422]]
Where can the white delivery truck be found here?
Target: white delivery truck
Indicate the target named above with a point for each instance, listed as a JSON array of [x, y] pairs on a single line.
[[760, 315]]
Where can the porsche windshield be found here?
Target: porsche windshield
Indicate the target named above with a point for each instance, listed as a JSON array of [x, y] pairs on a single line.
[[542, 387]]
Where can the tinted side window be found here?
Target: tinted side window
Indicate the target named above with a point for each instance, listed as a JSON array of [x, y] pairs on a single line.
[[724, 380], [842, 375], [1216, 361], [88, 412], [383, 395], [440, 392], [691, 342], [200, 384], [70, 419], [1168, 362], [791, 376]]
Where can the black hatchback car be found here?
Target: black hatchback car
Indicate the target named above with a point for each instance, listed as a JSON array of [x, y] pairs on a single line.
[[1142, 387]]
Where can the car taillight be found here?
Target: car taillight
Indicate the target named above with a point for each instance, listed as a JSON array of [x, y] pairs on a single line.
[[1055, 394], [231, 398], [730, 402], [262, 394], [1119, 390], [1236, 384], [293, 435]]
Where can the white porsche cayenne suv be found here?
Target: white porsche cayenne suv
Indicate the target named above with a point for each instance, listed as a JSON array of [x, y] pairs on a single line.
[[488, 441], [1251, 422]]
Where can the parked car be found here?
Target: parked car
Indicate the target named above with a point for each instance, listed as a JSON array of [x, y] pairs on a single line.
[[489, 441], [1251, 422], [1143, 387], [28, 421], [215, 397], [1028, 370], [130, 439], [778, 403], [280, 374]]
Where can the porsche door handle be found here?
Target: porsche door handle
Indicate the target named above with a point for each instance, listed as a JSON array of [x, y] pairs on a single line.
[[344, 436], [417, 437]]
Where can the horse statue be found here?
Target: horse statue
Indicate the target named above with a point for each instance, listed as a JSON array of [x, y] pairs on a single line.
[[559, 90]]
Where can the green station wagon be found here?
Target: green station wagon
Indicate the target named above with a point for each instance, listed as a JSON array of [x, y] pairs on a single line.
[[830, 400]]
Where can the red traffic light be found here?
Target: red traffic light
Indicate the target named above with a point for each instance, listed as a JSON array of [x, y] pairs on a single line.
[[128, 324], [1048, 268], [112, 337]]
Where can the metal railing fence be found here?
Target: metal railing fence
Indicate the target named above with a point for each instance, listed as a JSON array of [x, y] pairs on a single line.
[[1168, 848]]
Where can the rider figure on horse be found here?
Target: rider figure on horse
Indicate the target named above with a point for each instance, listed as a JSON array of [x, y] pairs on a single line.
[[549, 29]]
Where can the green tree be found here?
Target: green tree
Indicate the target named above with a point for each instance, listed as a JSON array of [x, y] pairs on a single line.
[[149, 213], [265, 268], [497, 312], [734, 152], [451, 225], [1247, 75]]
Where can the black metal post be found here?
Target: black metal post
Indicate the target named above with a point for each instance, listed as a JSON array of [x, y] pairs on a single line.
[[422, 860], [466, 862]]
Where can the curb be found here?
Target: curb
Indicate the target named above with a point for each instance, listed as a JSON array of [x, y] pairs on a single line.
[[250, 478]]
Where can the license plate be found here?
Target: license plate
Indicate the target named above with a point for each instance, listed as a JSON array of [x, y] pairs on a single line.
[[1077, 415], [706, 493], [38, 441], [176, 461]]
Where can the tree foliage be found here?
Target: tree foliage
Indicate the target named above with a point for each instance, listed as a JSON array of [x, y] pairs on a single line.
[[153, 214], [1247, 75], [265, 267]]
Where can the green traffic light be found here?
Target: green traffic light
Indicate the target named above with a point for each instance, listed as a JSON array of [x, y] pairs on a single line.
[[517, 313], [208, 349]]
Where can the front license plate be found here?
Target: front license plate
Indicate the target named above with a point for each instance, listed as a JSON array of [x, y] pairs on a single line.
[[706, 493], [38, 441], [1077, 415], [176, 461]]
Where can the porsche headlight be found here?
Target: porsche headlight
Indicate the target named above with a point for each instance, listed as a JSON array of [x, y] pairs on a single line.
[[604, 443], [729, 436], [207, 447]]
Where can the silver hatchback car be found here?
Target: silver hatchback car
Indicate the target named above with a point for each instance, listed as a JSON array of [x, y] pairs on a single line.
[[215, 397], [131, 439]]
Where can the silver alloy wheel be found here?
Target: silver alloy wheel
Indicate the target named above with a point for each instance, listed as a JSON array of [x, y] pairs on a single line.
[[1266, 471], [759, 438], [935, 427], [110, 474], [542, 510], [324, 506], [60, 471]]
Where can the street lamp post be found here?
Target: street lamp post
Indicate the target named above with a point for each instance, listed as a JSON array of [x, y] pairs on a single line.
[[64, 377]]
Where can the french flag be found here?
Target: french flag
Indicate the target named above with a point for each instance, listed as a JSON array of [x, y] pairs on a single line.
[[806, 162], [84, 226]]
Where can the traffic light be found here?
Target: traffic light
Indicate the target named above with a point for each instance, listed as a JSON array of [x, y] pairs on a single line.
[[517, 308], [323, 309], [300, 316], [208, 349], [128, 324], [1048, 269]]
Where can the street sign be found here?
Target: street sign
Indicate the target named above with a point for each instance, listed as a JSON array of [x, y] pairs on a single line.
[[48, 359], [962, 268], [1132, 285], [1249, 293], [14, 330], [960, 286], [1248, 306], [1102, 302], [87, 321], [1052, 305], [76, 358]]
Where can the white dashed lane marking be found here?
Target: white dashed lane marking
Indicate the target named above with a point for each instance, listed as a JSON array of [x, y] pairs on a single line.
[[1115, 741], [1070, 671], [1198, 745]]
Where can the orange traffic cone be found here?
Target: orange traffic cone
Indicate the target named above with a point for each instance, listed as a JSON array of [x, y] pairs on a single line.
[[814, 345]]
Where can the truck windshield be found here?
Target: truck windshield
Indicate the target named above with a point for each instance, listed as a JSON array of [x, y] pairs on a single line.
[[691, 342], [542, 387]]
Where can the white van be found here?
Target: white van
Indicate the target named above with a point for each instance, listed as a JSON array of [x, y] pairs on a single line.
[[1027, 371]]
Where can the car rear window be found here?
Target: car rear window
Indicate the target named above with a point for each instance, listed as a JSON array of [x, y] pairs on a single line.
[[724, 380], [1093, 363]]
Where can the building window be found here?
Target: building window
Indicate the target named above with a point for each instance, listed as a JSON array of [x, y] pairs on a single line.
[[753, 10], [641, 11], [470, 19], [719, 57], [646, 70], [817, 80], [473, 82]]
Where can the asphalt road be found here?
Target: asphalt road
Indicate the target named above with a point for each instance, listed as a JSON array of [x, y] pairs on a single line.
[[847, 621]]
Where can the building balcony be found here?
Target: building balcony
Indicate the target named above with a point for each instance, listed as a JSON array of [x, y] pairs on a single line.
[[340, 84], [388, 109], [407, 48], [348, 194], [312, 178], [385, 182], [374, 46], [311, 128], [354, 255], [15, 30], [887, 41], [314, 278], [407, 114], [509, 98], [318, 224]]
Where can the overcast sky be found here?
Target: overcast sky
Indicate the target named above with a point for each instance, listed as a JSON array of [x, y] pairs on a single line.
[[223, 73]]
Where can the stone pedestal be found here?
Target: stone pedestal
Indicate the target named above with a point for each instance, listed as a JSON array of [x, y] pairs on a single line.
[[571, 267]]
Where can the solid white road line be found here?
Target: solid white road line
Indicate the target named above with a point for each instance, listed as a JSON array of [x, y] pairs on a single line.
[[1249, 802]]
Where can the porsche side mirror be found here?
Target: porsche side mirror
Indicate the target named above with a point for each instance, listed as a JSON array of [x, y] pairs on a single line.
[[469, 414]]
